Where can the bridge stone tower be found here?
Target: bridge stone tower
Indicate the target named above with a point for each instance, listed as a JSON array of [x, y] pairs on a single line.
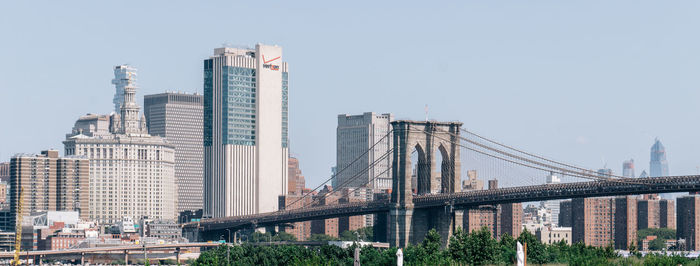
[[427, 138]]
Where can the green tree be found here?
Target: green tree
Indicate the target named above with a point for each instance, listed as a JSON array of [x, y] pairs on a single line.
[[349, 235], [506, 249], [480, 247], [458, 246], [366, 233], [431, 242], [321, 237], [535, 248], [284, 236], [657, 244]]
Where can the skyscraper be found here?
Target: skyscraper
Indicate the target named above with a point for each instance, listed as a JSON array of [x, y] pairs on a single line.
[[658, 166], [131, 172], [628, 168], [178, 118], [355, 135], [245, 130], [122, 76]]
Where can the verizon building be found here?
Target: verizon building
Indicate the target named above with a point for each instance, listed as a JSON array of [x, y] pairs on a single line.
[[245, 130]]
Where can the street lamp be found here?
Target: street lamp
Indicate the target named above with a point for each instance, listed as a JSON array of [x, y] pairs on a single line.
[[145, 254], [228, 249]]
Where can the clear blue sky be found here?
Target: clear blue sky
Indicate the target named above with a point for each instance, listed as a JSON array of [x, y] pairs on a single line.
[[586, 82]]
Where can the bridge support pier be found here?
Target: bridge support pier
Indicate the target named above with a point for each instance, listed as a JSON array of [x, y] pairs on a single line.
[[407, 226], [400, 223]]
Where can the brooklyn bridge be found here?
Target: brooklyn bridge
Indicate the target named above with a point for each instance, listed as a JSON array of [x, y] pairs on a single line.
[[435, 200]]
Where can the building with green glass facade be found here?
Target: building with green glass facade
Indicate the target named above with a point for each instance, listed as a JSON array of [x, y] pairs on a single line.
[[245, 130]]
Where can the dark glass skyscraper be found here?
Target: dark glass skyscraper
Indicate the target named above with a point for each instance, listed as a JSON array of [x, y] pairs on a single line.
[[658, 166]]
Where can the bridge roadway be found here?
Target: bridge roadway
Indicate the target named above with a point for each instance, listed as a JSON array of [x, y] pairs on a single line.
[[47, 253], [463, 200]]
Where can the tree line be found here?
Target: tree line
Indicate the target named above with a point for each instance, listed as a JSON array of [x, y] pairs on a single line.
[[465, 248]]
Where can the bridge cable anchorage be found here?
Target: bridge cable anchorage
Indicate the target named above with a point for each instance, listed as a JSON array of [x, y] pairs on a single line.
[[547, 167], [344, 168], [533, 155]]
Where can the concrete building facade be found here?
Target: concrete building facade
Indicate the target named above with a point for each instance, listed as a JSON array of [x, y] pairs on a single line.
[[131, 172], [245, 130], [177, 117], [356, 134], [550, 235]]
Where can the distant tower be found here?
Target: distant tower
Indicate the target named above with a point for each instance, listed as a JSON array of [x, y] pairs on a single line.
[[643, 174], [124, 76], [628, 168], [658, 166], [131, 123]]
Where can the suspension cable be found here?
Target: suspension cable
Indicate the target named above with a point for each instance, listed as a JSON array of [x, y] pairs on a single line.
[[344, 168], [560, 170]]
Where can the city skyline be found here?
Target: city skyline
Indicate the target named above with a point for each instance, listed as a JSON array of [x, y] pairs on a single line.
[[615, 70]]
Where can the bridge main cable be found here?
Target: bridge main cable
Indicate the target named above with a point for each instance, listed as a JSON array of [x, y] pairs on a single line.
[[547, 167], [531, 154]]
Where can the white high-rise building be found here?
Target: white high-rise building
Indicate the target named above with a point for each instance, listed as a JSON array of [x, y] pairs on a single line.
[[355, 135], [553, 205], [124, 76], [245, 130], [131, 172]]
